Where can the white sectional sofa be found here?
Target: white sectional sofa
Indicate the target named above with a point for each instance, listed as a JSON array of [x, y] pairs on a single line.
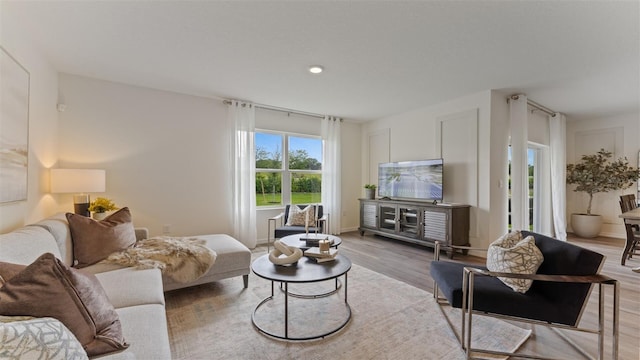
[[137, 295]]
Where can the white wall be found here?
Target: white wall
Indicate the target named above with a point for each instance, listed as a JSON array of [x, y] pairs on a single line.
[[414, 136], [618, 133], [43, 127], [166, 155]]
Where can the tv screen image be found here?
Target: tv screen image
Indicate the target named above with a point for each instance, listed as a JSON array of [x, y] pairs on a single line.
[[420, 180]]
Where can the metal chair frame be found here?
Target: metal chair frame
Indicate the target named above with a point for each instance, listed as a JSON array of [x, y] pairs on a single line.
[[465, 334]]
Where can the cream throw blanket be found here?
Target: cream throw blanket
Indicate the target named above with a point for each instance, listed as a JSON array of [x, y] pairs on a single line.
[[182, 259]]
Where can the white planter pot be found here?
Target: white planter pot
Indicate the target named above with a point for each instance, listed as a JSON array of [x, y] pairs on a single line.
[[586, 226], [101, 216], [369, 194]]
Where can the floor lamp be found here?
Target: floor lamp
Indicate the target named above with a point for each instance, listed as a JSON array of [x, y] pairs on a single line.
[[80, 182]]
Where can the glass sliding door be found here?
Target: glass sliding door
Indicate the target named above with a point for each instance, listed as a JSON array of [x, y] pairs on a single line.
[[537, 180]]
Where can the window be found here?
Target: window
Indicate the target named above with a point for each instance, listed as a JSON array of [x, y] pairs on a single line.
[[288, 169]]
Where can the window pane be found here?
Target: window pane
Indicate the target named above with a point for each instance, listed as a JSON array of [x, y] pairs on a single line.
[[268, 151], [305, 188], [268, 188], [305, 153]]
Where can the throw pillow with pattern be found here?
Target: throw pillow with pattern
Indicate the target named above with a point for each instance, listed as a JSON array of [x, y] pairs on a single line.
[[513, 254], [25, 337], [297, 216]]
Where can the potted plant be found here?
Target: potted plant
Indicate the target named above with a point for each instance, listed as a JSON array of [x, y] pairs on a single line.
[[100, 206], [595, 174], [370, 191]]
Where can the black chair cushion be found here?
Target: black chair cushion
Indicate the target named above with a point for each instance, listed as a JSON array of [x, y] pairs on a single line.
[[492, 295], [563, 258], [546, 301]]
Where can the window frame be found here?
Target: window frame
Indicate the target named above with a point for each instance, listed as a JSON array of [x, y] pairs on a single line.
[[286, 173]]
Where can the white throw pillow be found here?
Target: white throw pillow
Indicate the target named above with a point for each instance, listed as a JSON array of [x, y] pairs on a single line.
[[512, 254], [38, 338], [298, 216]]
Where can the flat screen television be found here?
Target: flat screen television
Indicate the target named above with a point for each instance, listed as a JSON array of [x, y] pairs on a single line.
[[414, 180]]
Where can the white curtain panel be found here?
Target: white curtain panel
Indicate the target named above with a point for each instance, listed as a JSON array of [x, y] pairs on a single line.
[[331, 189], [557, 148], [241, 120], [518, 115]]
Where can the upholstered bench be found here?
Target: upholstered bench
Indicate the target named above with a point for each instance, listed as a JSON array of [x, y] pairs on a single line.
[[233, 259]]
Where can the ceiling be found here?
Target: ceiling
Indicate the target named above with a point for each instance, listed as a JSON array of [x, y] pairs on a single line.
[[380, 58]]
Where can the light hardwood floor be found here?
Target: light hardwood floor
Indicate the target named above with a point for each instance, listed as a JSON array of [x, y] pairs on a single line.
[[410, 263]]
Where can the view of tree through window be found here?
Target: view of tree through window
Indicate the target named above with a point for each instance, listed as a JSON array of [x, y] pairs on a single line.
[[288, 169]]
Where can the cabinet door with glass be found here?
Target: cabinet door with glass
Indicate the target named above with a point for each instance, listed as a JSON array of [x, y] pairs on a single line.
[[409, 221], [387, 217]]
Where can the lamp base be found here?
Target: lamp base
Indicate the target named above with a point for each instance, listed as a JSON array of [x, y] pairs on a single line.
[[81, 205]]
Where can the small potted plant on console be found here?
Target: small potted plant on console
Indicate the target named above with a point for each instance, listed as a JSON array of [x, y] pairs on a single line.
[[370, 191]]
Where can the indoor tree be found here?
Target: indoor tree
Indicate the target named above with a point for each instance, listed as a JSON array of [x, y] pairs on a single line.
[[596, 173]]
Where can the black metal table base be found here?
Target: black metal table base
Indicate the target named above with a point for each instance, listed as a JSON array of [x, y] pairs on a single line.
[[313, 296], [286, 292]]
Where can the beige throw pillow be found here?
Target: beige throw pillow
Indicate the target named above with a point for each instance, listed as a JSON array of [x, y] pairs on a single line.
[[94, 241], [298, 216], [49, 288], [512, 254]]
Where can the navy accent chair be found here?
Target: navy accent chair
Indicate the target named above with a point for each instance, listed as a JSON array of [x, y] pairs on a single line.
[[281, 230], [557, 297]]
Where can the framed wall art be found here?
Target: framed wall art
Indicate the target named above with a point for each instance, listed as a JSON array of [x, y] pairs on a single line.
[[14, 129]]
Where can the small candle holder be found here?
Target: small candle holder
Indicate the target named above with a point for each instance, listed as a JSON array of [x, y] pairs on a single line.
[[324, 245]]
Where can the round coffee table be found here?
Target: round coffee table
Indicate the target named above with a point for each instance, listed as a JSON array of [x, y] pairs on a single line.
[[298, 241], [304, 271]]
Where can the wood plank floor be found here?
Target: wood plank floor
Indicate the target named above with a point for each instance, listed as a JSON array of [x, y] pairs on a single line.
[[410, 263]]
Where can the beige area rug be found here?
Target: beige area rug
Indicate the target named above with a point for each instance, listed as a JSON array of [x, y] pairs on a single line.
[[390, 320]]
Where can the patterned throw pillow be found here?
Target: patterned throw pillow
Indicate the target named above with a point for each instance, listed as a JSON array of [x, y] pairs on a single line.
[[298, 216], [38, 338], [512, 254]]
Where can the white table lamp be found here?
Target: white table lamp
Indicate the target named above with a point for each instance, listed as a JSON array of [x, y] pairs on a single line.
[[80, 182]]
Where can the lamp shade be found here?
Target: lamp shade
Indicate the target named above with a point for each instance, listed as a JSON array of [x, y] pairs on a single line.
[[78, 180]]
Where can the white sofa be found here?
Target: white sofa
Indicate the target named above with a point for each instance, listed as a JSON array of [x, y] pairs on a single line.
[[137, 295]]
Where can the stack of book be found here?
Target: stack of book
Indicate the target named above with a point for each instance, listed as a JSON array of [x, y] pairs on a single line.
[[314, 239], [314, 253]]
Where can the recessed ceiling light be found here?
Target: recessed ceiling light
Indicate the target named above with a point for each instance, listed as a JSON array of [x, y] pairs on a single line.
[[315, 69]]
